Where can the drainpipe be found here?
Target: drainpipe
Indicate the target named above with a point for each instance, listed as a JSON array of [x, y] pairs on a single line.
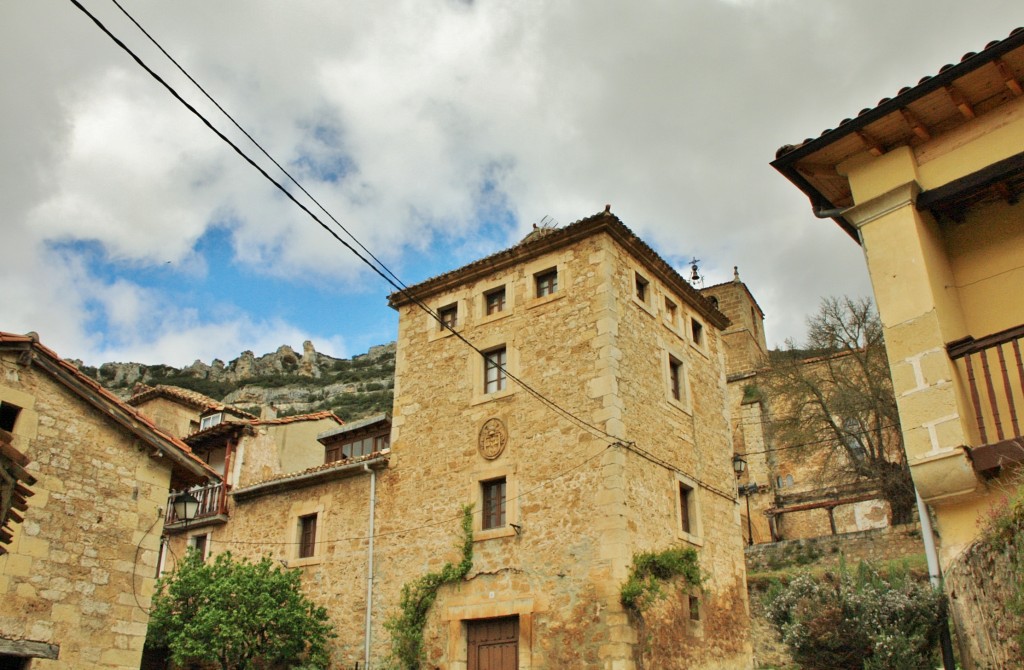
[[369, 565], [934, 575]]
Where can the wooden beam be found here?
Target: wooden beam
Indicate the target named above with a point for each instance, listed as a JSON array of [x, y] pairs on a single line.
[[29, 649], [1011, 80], [870, 144], [915, 124], [960, 101]]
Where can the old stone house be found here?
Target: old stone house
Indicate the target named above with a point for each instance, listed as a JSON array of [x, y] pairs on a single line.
[[788, 491], [928, 183], [83, 479], [585, 421]]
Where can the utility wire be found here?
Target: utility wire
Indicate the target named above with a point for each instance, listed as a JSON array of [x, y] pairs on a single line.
[[392, 280], [598, 432]]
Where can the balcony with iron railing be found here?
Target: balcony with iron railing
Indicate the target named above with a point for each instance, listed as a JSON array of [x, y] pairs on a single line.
[[993, 369], [212, 507]]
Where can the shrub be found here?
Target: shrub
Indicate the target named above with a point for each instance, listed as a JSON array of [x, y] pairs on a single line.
[[859, 620], [651, 569]]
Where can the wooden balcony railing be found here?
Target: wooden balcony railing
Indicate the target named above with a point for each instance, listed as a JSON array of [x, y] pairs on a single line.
[[994, 372], [212, 502]]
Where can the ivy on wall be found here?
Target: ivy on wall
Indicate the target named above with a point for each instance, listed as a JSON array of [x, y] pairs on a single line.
[[406, 627], [651, 569]]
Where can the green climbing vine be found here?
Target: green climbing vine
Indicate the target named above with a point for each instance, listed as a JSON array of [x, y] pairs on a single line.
[[650, 569], [406, 627]]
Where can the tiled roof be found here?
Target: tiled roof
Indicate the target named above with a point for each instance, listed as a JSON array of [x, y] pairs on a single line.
[[936, 105], [353, 426], [93, 392], [314, 416], [189, 397], [556, 238], [313, 475]]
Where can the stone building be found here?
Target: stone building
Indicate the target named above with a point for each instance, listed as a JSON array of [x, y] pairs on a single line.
[[576, 398], [587, 422], [78, 563], [928, 183], [789, 492]]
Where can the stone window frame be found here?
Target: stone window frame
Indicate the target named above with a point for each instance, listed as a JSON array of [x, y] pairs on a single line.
[[476, 369], [686, 488], [489, 289], [637, 278], [540, 267], [671, 356], [293, 533], [308, 527], [477, 480], [435, 331], [192, 542], [670, 313]]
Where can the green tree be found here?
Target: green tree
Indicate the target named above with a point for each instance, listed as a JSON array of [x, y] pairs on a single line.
[[836, 394], [237, 614]]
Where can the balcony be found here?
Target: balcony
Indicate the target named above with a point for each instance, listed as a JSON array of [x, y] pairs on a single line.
[[212, 507], [994, 370]]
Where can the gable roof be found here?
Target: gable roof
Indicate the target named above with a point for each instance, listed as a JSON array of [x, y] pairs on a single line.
[[193, 399], [544, 240], [33, 353], [935, 105]]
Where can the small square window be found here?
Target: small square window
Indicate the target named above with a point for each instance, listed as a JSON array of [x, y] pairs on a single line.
[[8, 416], [307, 536], [642, 288], [697, 332], [675, 378], [670, 310], [686, 509], [210, 421], [448, 317], [494, 503], [494, 370], [494, 301], [546, 282]]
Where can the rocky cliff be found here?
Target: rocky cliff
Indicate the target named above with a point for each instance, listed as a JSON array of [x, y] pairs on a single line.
[[293, 383]]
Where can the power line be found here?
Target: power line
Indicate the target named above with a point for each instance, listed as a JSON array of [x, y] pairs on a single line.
[[566, 414]]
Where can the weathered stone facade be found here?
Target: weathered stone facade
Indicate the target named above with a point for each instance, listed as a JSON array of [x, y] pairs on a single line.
[[608, 347], [78, 578]]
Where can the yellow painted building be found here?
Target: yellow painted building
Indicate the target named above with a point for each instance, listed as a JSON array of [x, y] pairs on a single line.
[[928, 182]]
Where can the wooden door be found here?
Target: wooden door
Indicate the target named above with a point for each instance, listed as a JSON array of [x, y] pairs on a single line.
[[494, 644]]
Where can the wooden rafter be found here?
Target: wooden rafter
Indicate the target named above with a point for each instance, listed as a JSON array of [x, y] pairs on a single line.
[[915, 124], [1009, 78], [870, 144], [965, 107]]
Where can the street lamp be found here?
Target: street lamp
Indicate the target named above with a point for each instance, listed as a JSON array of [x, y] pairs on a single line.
[[185, 507], [739, 464]]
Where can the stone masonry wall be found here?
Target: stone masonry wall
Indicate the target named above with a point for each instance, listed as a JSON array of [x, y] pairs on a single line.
[[879, 545], [82, 564]]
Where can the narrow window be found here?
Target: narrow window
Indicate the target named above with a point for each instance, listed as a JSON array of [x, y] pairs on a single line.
[[333, 453], [8, 416], [494, 370], [493, 503], [449, 317], [307, 535], [547, 282], [641, 288], [670, 310], [675, 378], [697, 332], [198, 543], [686, 508], [495, 300], [694, 608]]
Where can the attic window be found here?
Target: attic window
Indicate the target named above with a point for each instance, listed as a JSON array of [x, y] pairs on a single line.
[[641, 288], [211, 420], [697, 332], [8, 416], [448, 316]]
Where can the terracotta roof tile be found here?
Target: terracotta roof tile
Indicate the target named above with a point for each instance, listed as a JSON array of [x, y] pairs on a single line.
[[139, 422], [187, 396], [314, 416]]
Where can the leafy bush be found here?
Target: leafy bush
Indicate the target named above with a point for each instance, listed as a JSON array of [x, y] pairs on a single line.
[[859, 620], [238, 615]]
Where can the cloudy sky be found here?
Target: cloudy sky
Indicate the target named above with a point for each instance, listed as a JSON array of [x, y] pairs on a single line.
[[436, 131]]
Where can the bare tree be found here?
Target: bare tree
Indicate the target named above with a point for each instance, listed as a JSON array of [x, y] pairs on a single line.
[[836, 396]]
